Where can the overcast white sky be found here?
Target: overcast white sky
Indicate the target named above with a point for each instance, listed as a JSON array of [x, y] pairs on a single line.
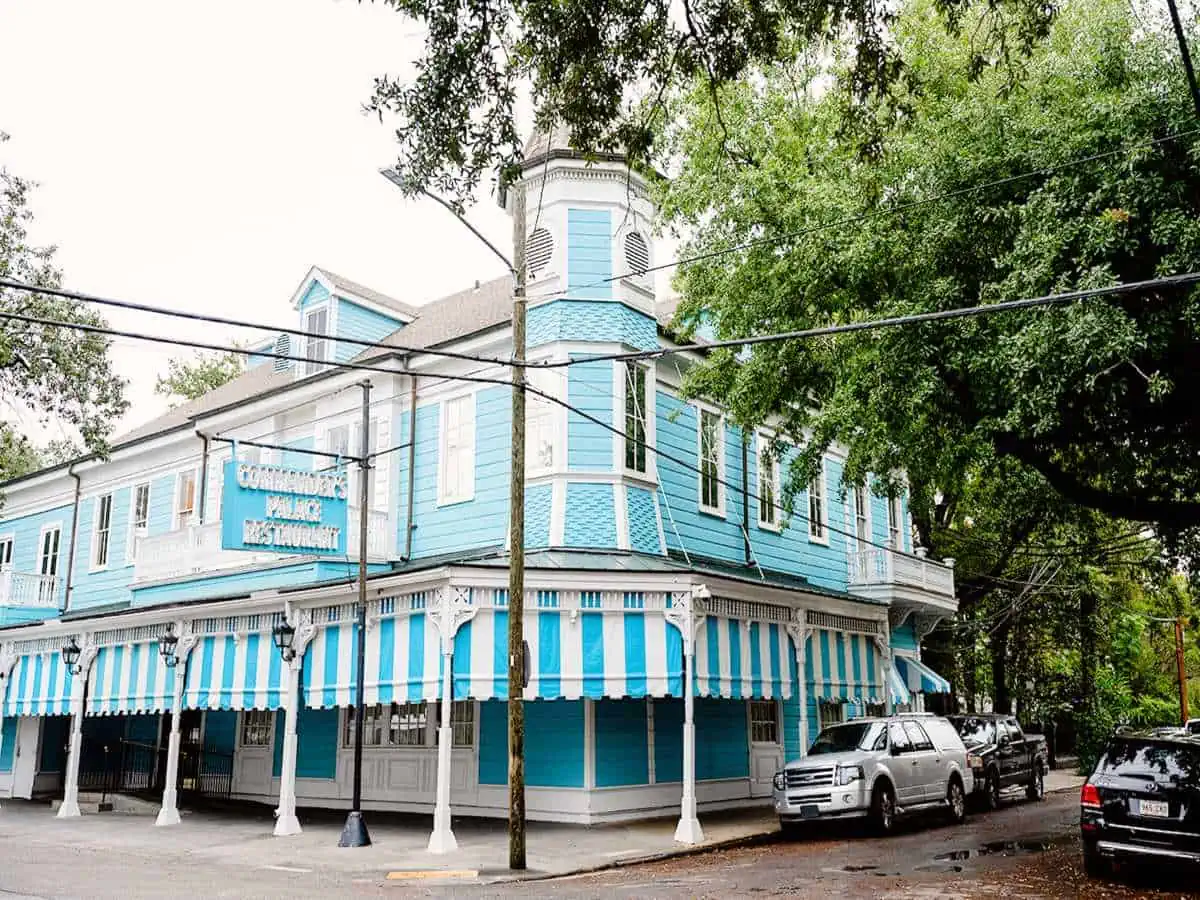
[[203, 155]]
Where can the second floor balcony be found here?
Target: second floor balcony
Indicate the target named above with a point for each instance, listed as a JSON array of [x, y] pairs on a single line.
[[30, 591], [195, 550], [903, 579]]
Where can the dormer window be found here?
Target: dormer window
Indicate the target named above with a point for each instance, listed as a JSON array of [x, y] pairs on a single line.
[[316, 345]]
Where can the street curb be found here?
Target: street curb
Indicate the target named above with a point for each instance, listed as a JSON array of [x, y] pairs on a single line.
[[745, 840]]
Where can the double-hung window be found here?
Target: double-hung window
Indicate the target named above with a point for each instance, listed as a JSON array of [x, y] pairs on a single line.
[[764, 722], [185, 499], [862, 518], [390, 725], [48, 547], [768, 486], [256, 727], [101, 531], [6, 553], [712, 447], [894, 519], [456, 475], [635, 417], [316, 345], [139, 518], [541, 419], [817, 510]]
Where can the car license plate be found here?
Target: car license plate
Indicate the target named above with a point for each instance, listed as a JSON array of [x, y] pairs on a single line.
[[1157, 809], [809, 811]]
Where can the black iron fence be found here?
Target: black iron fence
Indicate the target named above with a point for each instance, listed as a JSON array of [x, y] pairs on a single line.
[[132, 767]]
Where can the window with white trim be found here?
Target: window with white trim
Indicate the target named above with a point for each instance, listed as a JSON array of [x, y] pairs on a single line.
[[48, 551], [895, 517], [635, 417], [862, 517], [875, 710], [256, 727], [764, 722], [456, 474], [541, 420], [817, 510], [462, 722], [391, 725], [6, 553], [101, 530], [316, 346], [831, 712], [139, 518], [768, 485], [185, 499], [712, 448]]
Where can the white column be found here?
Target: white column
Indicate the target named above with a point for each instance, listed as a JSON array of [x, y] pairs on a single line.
[[286, 822], [802, 687], [169, 814], [442, 840], [888, 702], [70, 804], [687, 613]]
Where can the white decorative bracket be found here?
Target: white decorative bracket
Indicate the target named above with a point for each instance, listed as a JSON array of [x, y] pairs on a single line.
[[799, 630], [8, 659], [454, 609], [923, 625], [687, 612], [898, 615]]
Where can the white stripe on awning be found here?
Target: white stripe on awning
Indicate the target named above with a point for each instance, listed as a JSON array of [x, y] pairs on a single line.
[[234, 672], [129, 678], [38, 685], [899, 690], [843, 667], [919, 677]]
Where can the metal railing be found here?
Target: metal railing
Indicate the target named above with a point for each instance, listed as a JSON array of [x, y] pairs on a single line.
[[196, 549], [27, 589], [876, 565]]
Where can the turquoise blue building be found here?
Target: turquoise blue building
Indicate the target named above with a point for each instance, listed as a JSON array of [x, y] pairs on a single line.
[[686, 634]]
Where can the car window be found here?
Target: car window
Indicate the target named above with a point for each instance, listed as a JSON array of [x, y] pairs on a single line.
[[944, 735], [916, 734], [1193, 727], [899, 740], [975, 730], [1003, 733], [1014, 730], [1152, 760]]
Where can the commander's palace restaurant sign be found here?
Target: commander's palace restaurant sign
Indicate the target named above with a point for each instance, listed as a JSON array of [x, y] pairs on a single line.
[[276, 509]]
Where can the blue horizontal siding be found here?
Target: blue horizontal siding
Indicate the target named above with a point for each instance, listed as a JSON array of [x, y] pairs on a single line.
[[591, 320], [589, 252], [591, 516], [361, 324], [554, 759], [590, 390], [622, 745], [26, 531], [643, 521], [234, 584]]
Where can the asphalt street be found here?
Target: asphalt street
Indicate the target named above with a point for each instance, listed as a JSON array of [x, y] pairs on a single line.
[[1024, 850]]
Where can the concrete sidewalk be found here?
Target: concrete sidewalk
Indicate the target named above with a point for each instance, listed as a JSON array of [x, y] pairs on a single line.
[[241, 837]]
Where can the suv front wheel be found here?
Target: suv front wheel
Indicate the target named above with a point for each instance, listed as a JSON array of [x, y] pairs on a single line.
[[883, 808]]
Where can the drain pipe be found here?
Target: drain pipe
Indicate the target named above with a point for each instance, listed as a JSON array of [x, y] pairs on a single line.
[[412, 459], [202, 487], [746, 499], [74, 530]]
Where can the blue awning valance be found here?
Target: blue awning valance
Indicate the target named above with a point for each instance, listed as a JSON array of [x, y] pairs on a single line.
[[919, 678], [840, 666], [897, 688], [38, 685], [128, 679]]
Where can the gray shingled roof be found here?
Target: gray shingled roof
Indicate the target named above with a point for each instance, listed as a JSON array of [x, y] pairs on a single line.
[[342, 284]]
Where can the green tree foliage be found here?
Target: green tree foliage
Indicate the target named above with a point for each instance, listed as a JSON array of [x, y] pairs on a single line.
[[47, 373], [188, 379], [1097, 398], [587, 64]]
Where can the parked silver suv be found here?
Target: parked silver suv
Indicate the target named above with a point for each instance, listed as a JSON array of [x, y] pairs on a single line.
[[879, 768]]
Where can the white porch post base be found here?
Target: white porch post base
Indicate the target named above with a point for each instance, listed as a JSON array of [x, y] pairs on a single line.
[[442, 839], [169, 814], [70, 803], [287, 825], [688, 831], [286, 822]]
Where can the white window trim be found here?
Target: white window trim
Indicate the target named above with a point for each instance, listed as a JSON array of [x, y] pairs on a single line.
[[558, 422], [719, 509], [778, 742], [269, 746], [330, 308], [195, 473], [6, 537], [131, 538], [38, 556], [647, 416], [824, 476], [869, 541], [94, 548], [763, 442], [896, 504], [468, 492]]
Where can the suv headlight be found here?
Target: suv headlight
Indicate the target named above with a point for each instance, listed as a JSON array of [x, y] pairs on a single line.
[[975, 762], [849, 774], [780, 781]]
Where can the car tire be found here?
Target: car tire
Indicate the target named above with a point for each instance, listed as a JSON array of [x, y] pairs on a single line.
[[790, 830], [1095, 865], [883, 809], [956, 800], [991, 790], [1036, 789]]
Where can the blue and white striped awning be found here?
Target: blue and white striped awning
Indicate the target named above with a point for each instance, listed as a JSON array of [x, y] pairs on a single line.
[[38, 685], [585, 654], [234, 672], [897, 687], [919, 677], [129, 678], [841, 666]]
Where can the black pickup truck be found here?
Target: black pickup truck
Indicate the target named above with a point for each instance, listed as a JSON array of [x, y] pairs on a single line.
[[1002, 756]]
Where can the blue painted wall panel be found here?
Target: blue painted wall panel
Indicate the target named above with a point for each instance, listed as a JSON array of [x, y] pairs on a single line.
[[360, 324], [622, 747], [220, 730], [315, 294], [904, 637], [555, 759], [591, 320], [668, 740], [589, 252], [537, 516], [277, 750], [643, 521], [56, 732], [590, 389], [8, 743], [26, 530], [591, 516], [317, 743], [722, 739]]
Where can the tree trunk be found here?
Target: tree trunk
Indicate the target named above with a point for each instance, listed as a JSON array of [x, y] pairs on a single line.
[[1087, 650], [1002, 696]]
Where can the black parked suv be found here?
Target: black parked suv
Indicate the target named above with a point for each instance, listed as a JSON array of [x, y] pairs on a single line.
[[1142, 801]]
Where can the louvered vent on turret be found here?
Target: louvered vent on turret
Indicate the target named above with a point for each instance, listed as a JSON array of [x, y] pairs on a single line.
[[283, 347], [637, 254], [538, 251]]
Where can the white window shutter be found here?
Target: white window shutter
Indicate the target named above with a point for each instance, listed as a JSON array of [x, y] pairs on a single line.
[[381, 434]]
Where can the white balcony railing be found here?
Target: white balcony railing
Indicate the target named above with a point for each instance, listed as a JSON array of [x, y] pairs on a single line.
[[196, 549], [877, 566], [26, 589]]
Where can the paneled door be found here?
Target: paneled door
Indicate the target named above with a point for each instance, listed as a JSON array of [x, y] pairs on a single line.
[[254, 757]]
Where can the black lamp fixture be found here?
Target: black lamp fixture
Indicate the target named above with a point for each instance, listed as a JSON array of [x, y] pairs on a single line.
[[166, 647], [283, 634], [70, 656]]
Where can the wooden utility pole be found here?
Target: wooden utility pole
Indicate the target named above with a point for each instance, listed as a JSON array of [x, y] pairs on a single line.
[[516, 557], [1179, 661]]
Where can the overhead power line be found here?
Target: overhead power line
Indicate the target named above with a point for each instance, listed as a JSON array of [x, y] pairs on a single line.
[[894, 321], [895, 209]]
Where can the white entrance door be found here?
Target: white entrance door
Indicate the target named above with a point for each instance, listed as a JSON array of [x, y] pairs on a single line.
[[254, 758], [25, 758], [766, 747]]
